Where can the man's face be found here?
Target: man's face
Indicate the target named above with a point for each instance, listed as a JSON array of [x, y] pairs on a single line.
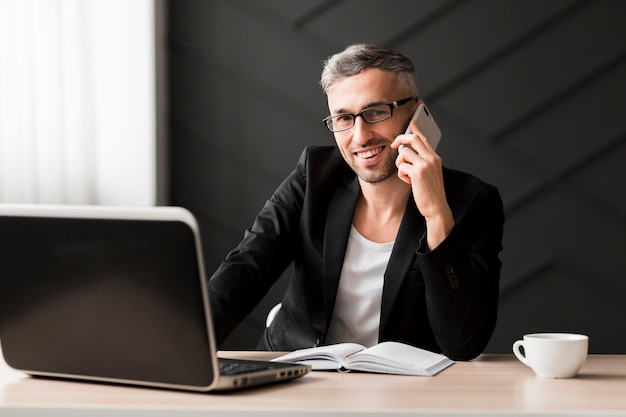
[[365, 147]]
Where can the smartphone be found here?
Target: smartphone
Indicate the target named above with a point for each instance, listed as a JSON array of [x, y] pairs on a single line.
[[427, 125]]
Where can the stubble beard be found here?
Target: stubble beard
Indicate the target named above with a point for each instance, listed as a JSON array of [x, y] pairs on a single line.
[[377, 174]]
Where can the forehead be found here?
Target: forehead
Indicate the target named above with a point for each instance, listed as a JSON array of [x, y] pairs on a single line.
[[351, 94]]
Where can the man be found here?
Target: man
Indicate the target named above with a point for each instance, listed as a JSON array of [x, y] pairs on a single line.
[[385, 244]]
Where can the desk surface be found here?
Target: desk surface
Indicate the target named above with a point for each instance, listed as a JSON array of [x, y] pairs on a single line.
[[491, 384]]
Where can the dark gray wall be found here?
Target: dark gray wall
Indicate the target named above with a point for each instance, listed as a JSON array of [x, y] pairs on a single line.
[[529, 96]]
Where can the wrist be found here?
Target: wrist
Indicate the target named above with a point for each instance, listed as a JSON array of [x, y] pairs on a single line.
[[438, 228]]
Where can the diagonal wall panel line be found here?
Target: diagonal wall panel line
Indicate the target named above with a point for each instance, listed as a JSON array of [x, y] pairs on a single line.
[[276, 22], [313, 14], [506, 50], [526, 274], [237, 76], [224, 149], [186, 138], [295, 109], [597, 283], [560, 179], [553, 101], [531, 167], [422, 24]]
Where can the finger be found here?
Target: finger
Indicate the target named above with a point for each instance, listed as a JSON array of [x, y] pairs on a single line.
[[419, 140], [421, 145], [400, 140], [402, 174]]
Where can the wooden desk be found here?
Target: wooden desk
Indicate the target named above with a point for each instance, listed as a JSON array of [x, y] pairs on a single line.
[[490, 385]]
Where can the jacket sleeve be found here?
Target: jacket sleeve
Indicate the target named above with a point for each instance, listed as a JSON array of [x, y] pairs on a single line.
[[267, 249], [462, 276]]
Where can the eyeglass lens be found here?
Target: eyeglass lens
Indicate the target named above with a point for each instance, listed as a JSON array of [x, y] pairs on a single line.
[[371, 115]]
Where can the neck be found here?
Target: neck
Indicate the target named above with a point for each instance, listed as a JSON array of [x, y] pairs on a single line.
[[380, 208], [387, 196]]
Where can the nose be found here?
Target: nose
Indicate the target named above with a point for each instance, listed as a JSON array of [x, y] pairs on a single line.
[[361, 131]]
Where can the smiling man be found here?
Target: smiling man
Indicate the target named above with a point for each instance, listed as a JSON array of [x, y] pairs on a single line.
[[385, 244]]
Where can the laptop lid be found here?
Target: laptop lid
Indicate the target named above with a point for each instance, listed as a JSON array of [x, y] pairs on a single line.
[[110, 294]]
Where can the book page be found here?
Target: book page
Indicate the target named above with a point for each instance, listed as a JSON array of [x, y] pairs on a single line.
[[398, 358], [322, 357]]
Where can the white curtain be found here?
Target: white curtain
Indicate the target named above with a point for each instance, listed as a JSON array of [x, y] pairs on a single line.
[[77, 112]]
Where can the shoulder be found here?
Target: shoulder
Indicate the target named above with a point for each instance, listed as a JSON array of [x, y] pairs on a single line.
[[458, 180], [324, 163], [321, 155], [464, 190]]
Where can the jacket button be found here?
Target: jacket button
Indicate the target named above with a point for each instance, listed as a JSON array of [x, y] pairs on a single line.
[[454, 281]]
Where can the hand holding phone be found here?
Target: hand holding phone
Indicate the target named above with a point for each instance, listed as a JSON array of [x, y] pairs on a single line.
[[427, 125]]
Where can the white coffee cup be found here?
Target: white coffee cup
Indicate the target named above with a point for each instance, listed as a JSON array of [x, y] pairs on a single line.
[[553, 355]]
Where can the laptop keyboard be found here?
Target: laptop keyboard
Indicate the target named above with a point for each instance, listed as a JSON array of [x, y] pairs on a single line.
[[233, 367]]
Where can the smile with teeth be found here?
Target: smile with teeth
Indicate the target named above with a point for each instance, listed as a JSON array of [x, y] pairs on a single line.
[[370, 153]]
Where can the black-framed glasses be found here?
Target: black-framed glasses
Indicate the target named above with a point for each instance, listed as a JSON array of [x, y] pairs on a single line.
[[373, 114]]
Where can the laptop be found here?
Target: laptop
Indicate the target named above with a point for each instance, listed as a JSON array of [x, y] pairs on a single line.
[[114, 294]]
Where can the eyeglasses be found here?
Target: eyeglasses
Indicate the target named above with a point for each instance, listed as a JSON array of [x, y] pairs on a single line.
[[373, 114]]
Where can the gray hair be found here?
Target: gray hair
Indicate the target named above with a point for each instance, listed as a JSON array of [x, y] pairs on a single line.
[[357, 58]]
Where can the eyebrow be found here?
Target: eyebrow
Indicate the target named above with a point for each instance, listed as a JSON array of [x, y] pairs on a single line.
[[344, 111]]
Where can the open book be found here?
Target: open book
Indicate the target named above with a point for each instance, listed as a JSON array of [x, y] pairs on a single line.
[[385, 357]]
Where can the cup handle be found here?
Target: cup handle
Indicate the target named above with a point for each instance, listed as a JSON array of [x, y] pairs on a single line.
[[518, 353]]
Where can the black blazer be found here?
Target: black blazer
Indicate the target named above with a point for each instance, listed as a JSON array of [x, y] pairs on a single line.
[[443, 300]]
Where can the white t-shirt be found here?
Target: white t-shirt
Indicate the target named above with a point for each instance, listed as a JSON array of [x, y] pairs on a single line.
[[356, 317]]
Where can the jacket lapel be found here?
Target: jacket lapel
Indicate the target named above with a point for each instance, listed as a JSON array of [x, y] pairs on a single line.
[[411, 232], [336, 233]]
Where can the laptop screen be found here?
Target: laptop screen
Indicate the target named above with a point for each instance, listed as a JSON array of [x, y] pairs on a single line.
[[115, 298]]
